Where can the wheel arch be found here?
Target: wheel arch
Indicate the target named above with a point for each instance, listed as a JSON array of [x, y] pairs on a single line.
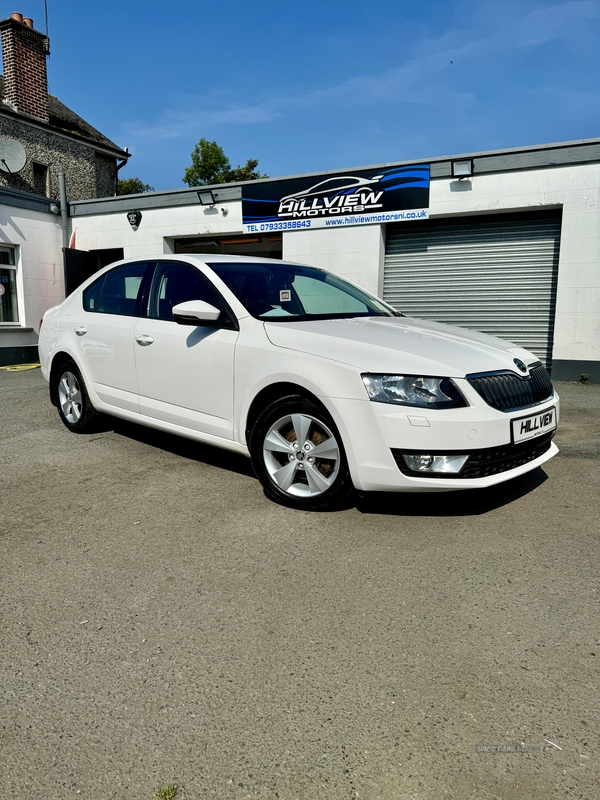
[[58, 359], [270, 394]]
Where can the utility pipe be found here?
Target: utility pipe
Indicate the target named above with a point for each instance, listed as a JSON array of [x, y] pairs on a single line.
[[64, 209]]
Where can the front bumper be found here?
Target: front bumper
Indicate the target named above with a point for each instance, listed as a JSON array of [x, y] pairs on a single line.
[[376, 435]]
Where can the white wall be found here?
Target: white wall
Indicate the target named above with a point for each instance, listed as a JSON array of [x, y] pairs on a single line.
[[158, 226], [40, 272], [354, 252]]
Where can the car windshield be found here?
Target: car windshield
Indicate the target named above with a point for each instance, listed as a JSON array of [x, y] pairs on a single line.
[[289, 292]]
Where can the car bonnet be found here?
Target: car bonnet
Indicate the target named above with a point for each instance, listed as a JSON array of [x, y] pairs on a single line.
[[404, 345]]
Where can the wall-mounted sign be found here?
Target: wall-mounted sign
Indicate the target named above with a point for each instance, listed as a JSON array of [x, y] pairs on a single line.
[[359, 197], [134, 218]]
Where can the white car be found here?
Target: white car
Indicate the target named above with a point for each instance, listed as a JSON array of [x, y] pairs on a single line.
[[324, 386]]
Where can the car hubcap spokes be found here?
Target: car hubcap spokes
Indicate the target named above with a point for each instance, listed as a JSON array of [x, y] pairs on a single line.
[[69, 397], [301, 455]]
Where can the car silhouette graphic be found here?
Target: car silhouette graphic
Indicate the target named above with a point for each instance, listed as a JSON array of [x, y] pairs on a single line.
[[334, 186]]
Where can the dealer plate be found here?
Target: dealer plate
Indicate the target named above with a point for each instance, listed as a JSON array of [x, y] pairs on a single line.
[[533, 425]]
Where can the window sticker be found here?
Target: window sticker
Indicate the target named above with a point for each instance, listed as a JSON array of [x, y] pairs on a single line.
[[285, 296]]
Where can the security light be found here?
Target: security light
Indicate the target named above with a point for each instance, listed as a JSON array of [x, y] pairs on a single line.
[[462, 169], [207, 197]]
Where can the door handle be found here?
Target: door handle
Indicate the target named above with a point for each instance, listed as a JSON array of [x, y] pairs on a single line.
[[144, 338], [80, 330]]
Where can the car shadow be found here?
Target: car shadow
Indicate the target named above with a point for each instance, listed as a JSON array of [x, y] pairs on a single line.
[[464, 503], [185, 448]]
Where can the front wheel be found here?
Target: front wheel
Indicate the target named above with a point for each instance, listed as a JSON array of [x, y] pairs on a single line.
[[74, 405], [298, 456]]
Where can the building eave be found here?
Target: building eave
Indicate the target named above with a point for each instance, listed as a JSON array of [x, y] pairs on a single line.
[[26, 119]]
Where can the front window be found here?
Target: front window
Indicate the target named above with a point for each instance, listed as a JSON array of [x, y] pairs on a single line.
[[290, 292], [9, 307], [176, 283]]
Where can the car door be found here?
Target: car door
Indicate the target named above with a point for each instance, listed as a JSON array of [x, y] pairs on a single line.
[[104, 326], [185, 372]]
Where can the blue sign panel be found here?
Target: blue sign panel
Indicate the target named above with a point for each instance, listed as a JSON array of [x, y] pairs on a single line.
[[358, 197]]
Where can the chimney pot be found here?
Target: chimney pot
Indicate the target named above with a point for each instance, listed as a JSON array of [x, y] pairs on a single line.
[[28, 21], [17, 16]]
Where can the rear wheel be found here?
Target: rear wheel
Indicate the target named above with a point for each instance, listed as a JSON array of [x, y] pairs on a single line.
[[74, 405], [298, 456]]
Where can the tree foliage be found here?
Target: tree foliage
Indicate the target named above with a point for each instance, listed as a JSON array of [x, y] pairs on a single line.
[[210, 165], [133, 186]]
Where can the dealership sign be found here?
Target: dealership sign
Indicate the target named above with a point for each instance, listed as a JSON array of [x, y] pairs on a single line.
[[359, 197]]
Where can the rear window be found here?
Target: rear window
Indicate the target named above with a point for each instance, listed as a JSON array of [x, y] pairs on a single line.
[[118, 291]]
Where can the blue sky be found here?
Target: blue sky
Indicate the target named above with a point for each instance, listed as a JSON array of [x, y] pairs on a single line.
[[323, 85]]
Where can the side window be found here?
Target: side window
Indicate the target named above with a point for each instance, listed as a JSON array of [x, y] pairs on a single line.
[[120, 292], [91, 295], [176, 283]]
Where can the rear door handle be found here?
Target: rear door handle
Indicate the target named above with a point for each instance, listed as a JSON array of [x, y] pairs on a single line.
[[80, 330], [144, 338]]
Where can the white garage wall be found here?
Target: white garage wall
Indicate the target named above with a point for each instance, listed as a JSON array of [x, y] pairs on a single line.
[[354, 252], [157, 228]]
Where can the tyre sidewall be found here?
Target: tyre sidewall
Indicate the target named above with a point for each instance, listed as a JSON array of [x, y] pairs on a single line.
[[88, 416]]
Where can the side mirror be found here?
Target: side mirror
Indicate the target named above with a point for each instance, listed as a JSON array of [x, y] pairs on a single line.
[[195, 312]]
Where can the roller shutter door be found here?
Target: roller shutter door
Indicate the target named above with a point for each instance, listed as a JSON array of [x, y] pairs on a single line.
[[495, 274]]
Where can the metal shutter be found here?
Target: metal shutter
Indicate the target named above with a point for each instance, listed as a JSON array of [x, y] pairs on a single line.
[[496, 274]]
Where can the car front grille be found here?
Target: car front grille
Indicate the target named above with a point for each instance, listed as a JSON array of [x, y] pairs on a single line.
[[483, 463], [506, 391]]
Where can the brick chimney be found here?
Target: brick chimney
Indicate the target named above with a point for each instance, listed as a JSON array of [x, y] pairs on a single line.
[[24, 53]]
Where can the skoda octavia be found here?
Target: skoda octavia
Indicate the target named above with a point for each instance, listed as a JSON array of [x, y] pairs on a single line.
[[326, 388]]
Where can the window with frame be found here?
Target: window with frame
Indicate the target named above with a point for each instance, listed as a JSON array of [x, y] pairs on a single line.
[[176, 283], [9, 305], [119, 291]]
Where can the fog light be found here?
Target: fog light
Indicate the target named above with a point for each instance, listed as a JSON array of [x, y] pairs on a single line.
[[428, 463], [419, 463]]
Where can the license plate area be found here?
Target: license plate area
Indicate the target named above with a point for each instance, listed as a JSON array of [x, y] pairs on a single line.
[[532, 425]]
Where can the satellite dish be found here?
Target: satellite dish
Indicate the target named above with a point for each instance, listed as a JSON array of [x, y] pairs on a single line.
[[12, 156]]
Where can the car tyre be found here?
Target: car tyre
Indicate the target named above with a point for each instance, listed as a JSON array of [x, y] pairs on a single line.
[[298, 456], [74, 405]]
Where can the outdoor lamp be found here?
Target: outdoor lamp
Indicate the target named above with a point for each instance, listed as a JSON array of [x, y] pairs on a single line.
[[462, 169], [207, 197]]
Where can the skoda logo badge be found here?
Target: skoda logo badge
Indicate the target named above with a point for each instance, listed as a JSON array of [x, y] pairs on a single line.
[[520, 364]]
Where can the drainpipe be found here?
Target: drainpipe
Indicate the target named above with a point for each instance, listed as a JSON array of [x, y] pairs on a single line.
[[64, 209], [120, 165]]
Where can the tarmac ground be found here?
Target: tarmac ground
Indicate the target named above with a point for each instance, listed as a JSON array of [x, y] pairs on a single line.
[[164, 623]]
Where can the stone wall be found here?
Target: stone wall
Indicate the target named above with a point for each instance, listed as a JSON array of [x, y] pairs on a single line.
[[88, 174]]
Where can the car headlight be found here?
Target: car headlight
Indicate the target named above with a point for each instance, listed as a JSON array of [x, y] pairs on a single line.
[[413, 390]]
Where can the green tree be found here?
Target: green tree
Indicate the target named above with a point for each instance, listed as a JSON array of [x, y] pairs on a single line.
[[210, 165], [133, 186]]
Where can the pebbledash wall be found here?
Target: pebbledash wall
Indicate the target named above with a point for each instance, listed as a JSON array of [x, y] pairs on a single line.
[[91, 173], [561, 180]]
